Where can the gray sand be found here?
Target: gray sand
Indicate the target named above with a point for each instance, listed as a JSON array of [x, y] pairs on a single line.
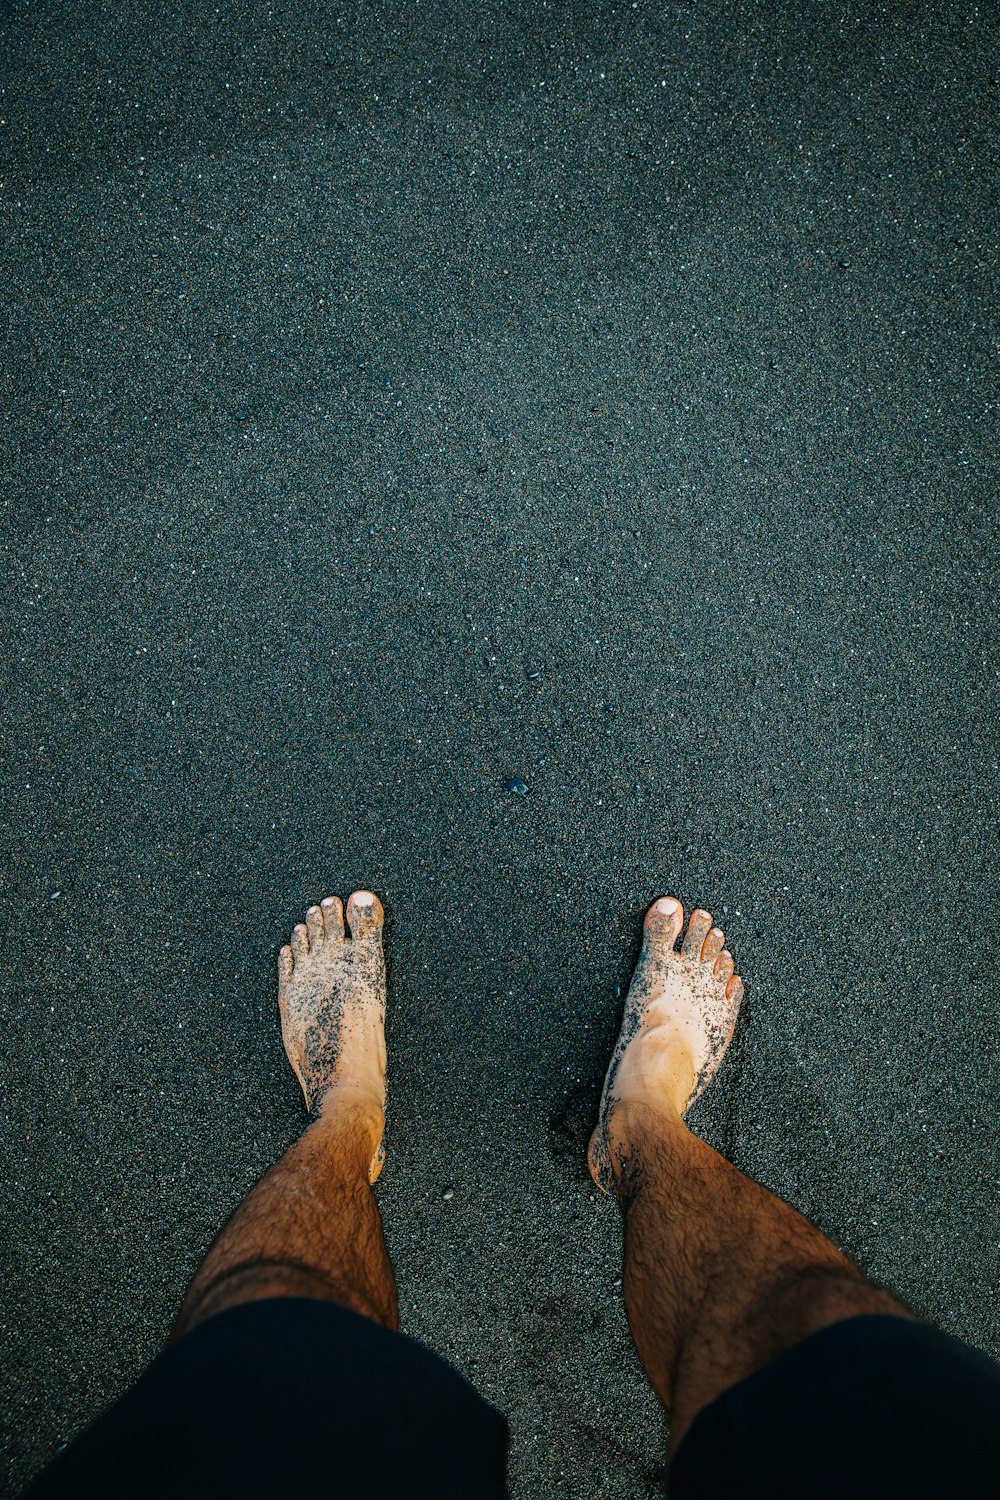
[[360, 362]]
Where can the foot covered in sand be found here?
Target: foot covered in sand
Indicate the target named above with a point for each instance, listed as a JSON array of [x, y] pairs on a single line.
[[680, 1012], [331, 995]]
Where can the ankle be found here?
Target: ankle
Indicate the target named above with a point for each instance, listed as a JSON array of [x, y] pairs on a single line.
[[355, 1116], [642, 1133]]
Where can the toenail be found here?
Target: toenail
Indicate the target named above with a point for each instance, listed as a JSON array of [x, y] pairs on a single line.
[[327, 901], [364, 898], [666, 906]]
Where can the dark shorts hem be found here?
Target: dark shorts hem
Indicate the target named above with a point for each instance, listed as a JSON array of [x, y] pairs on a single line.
[[290, 1396], [870, 1406]]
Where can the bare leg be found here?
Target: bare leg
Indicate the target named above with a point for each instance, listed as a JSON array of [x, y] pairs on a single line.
[[311, 1227], [720, 1275]]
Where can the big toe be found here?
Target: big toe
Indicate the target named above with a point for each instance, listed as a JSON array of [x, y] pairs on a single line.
[[663, 923], [365, 916]]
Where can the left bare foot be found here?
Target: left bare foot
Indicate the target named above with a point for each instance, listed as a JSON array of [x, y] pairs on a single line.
[[331, 994]]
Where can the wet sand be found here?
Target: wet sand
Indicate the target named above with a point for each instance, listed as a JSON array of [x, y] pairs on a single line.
[[409, 403]]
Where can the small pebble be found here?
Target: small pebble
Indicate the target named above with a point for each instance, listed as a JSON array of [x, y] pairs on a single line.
[[515, 784], [448, 1194], [618, 991], [54, 894], [534, 674]]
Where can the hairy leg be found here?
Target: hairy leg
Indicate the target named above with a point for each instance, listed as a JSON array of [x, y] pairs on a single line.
[[720, 1275], [311, 1227]]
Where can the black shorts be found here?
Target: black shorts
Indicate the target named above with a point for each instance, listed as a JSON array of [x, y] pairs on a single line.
[[295, 1398], [872, 1406], [298, 1398]]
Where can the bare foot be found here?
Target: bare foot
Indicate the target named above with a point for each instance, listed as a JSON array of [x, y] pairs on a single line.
[[680, 1012], [331, 994]]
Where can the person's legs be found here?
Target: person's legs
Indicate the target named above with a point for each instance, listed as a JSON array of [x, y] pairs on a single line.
[[311, 1227], [720, 1276]]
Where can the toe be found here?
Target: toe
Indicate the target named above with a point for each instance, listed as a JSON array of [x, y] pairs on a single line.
[[723, 966], [734, 990], [314, 926], [699, 926], [663, 922], [333, 917], [286, 963], [300, 942], [364, 915], [713, 945]]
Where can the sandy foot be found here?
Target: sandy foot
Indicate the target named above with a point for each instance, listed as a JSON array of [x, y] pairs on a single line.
[[331, 995], [680, 1012]]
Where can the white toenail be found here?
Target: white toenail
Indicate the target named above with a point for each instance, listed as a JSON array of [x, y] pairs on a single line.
[[666, 906], [364, 898]]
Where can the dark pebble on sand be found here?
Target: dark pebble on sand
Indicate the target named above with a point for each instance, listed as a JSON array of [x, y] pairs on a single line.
[[534, 674], [448, 1194], [515, 784]]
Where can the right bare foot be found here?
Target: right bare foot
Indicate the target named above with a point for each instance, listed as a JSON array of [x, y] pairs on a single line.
[[679, 1017]]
